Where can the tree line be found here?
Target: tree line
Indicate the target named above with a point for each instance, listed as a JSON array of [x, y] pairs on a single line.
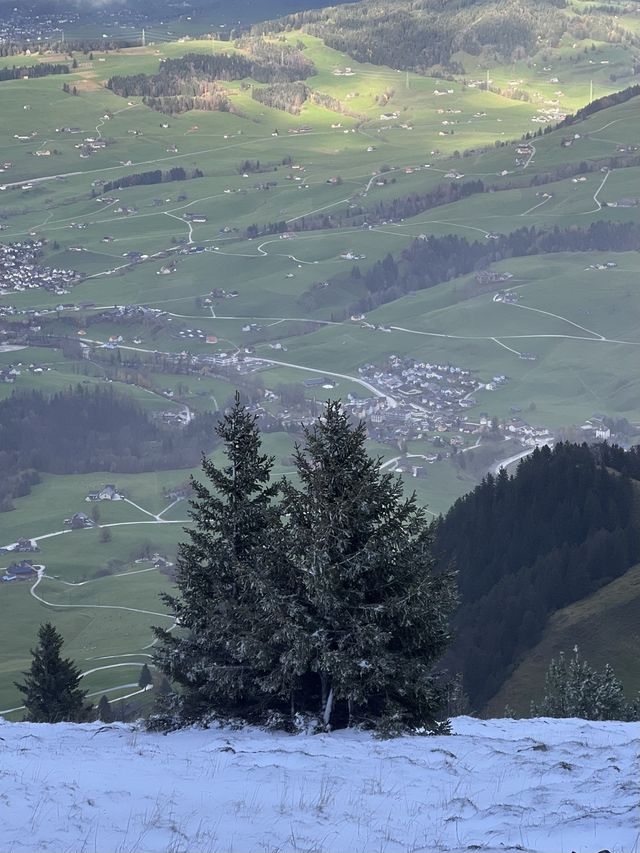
[[189, 82], [433, 260], [527, 545], [282, 96], [17, 72], [598, 105], [156, 176]]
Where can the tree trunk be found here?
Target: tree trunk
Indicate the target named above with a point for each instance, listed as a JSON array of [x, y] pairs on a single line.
[[328, 707]]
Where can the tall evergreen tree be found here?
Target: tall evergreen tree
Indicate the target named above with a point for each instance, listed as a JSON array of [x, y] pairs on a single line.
[[51, 690], [376, 610], [222, 644]]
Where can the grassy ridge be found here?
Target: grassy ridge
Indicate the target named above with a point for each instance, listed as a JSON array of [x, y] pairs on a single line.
[[605, 626]]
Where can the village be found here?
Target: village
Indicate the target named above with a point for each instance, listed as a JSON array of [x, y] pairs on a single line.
[[20, 271]]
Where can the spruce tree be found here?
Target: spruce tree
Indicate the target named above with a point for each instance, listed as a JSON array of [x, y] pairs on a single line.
[[104, 710], [375, 611], [145, 677], [222, 643], [51, 690]]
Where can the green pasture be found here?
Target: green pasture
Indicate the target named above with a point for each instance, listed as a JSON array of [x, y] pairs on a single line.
[[90, 632]]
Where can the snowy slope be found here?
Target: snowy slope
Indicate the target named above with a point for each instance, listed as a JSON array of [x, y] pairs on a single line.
[[543, 785]]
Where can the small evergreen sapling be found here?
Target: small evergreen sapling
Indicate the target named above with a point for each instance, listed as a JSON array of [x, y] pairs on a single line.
[[573, 689], [51, 690], [105, 714], [145, 678]]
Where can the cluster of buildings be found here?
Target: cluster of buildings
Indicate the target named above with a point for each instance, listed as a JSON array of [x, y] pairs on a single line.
[[549, 115], [90, 145], [418, 397], [10, 372], [19, 270]]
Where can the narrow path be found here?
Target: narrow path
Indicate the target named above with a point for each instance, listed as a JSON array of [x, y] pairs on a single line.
[[536, 206], [167, 508], [504, 463], [531, 156], [97, 580], [595, 196], [32, 591], [183, 222], [145, 511], [596, 335], [506, 347]]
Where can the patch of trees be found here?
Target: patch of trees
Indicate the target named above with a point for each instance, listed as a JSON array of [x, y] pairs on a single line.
[[209, 101], [190, 82], [306, 605], [426, 263], [527, 545], [322, 99], [275, 66], [282, 96], [17, 72], [82, 430], [177, 173]]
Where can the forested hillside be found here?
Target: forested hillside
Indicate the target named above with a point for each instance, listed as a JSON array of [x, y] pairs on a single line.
[[421, 35], [525, 546]]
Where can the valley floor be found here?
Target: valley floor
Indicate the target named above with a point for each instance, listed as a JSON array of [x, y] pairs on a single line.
[[533, 785]]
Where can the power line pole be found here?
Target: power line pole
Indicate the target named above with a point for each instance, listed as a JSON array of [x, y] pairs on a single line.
[[591, 91], [144, 38]]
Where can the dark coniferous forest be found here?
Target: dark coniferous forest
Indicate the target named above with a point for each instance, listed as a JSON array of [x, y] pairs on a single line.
[[79, 431], [528, 545]]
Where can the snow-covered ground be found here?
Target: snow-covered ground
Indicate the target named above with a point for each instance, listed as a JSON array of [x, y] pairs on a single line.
[[543, 785]]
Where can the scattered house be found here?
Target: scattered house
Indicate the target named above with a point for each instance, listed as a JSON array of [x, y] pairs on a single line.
[[78, 521], [110, 493], [106, 493], [492, 276], [24, 570], [25, 546]]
